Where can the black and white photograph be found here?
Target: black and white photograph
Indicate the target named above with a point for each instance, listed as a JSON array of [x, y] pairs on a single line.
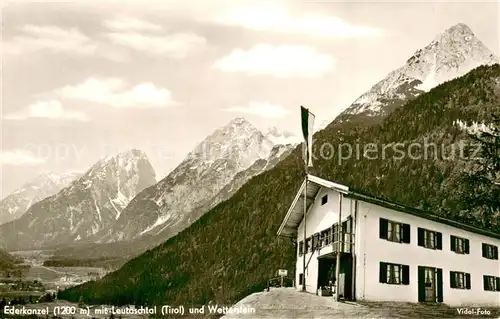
[[250, 159]]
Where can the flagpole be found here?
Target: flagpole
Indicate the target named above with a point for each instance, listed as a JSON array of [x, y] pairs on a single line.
[[339, 249], [307, 130], [305, 238]]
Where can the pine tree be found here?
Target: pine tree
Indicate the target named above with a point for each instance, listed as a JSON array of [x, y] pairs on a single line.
[[481, 192]]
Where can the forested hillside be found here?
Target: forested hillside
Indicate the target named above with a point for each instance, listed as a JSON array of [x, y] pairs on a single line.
[[7, 261], [233, 249], [6, 258]]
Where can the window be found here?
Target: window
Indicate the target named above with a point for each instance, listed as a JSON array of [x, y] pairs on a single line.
[[459, 280], [335, 230], [491, 283], [394, 274], [347, 225], [316, 242], [308, 245], [301, 248], [394, 231], [328, 236], [301, 279], [430, 239], [346, 237], [459, 245], [324, 239], [490, 251], [324, 200]]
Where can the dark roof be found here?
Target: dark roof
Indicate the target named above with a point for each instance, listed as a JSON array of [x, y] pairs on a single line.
[[419, 213], [295, 212]]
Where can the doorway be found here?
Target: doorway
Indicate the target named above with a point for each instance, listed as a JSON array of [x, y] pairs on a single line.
[[327, 273], [430, 284]]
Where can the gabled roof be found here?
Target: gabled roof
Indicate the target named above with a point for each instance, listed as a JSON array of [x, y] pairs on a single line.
[[295, 213]]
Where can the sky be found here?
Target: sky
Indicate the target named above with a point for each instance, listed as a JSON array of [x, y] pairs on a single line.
[[82, 80]]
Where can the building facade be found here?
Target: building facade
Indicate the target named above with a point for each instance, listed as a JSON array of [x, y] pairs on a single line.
[[388, 252]]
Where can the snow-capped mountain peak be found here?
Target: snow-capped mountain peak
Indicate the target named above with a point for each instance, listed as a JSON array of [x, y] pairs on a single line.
[[238, 137], [451, 54], [194, 183], [88, 205], [46, 184]]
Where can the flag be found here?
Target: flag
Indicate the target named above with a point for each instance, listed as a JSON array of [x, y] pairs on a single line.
[[307, 131]]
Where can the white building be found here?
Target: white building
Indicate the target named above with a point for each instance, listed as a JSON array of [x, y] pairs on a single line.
[[389, 252]]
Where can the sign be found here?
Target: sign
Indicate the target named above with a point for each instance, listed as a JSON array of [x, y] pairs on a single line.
[[282, 272]]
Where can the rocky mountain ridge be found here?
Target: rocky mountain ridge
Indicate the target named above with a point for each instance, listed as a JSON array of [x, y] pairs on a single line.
[[47, 184]]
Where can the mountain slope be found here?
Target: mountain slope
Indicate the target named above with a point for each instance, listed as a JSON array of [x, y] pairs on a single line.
[[125, 250], [45, 185], [207, 169], [89, 204], [6, 260], [232, 250], [278, 153], [451, 54]]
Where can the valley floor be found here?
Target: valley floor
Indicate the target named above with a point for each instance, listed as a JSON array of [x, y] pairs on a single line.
[[289, 303]]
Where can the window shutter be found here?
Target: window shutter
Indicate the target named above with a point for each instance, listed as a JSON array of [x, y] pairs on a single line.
[[484, 249], [383, 228], [453, 283], [420, 237], [485, 282], [466, 244], [421, 284], [497, 279], [452, 243], [439, 279], [383, 273], [406, 233], [467, 281], [495, 252], [439, 241], [406, 274]]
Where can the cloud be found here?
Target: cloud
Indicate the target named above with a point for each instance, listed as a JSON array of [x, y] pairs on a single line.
[[48, 109], [115, 92], [174, 46], [262, 109], [55, 40], [20, 157], [52, 39], [279, 61], [276, 19], [128, 23]]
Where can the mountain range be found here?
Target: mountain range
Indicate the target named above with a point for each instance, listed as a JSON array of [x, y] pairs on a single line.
[[118, 199], [232, 250], [451, 54], [47, 184], [206, 170], [80, 210]]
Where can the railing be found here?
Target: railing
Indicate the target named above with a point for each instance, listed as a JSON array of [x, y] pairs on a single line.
[[347, 245], [330, 237]]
